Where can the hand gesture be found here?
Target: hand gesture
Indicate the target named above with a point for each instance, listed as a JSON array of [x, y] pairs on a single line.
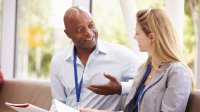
[[110, 88]]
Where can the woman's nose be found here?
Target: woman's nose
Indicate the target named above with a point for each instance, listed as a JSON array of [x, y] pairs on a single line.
[[134, 36]]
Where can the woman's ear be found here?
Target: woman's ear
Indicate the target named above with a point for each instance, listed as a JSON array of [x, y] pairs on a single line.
[[152, 37]]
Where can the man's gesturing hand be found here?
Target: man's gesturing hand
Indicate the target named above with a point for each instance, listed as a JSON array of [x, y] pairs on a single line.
[[110, 88]]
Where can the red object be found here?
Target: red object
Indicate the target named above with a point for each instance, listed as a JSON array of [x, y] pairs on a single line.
[[18, 105], [1, 79]]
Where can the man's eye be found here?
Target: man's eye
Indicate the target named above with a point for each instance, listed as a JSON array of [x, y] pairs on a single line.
[[78, 30], [91, 26]]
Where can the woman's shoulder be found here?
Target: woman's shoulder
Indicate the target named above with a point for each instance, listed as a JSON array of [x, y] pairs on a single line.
[[178, 70], [178, 66], [175, 70]]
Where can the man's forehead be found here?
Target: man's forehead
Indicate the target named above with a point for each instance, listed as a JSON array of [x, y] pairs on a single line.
[[79, 22], [76, 11], [76, 16]]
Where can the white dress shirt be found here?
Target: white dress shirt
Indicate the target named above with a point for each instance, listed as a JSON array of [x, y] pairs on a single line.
[[110, 58]]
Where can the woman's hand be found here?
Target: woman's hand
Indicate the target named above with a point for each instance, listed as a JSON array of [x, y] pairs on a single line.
[[92, 110]]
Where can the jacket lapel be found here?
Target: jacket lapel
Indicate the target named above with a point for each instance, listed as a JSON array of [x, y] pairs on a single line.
[[159, 74]]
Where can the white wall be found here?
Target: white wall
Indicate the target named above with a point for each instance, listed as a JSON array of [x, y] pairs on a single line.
[[8, 38]]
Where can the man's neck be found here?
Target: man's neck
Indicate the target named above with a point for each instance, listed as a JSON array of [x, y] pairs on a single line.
[[83, 55]]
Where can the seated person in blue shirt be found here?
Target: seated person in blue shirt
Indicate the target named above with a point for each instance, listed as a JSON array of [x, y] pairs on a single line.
[[89, 60], [164, 81]]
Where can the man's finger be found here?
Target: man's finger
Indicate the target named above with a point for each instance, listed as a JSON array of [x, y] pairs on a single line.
[[99, 86], [98, 91], [111, 78]]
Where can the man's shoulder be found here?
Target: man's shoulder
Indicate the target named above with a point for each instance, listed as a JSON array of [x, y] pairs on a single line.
[[120, 51]]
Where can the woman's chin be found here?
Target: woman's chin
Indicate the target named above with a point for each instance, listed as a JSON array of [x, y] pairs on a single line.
[[141, 50]]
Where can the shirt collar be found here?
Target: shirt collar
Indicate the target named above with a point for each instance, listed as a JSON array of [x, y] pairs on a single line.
[[100, 48], [69, 52]]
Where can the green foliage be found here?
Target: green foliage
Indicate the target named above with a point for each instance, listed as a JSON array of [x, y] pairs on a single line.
[[35, 13], [189, 39], [110, 22], [189, 42], [32, 12]]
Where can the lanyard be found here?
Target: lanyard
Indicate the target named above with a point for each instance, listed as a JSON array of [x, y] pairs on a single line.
[[133, 104], [78, 86], [142, 86]]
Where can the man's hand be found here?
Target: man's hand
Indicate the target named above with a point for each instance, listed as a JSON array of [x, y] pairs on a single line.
[[110, 88]]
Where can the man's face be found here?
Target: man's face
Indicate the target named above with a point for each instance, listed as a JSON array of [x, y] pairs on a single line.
[[81, 29]]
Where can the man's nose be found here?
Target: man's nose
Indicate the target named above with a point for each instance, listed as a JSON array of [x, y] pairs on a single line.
[[88, 32]]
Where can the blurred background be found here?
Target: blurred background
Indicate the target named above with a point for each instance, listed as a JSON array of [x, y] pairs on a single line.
[[31, 31]]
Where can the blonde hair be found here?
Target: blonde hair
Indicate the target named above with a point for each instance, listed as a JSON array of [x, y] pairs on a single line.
[[166, 47]]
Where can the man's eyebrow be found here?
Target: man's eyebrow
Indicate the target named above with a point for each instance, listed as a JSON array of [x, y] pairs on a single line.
[[91, 22], [77, 27]]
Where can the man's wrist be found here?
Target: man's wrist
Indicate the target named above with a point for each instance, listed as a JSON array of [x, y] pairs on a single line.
[[125, 88], [120, 89]]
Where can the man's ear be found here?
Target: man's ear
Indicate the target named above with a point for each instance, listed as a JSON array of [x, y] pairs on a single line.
[[152, 37], [67, 33]]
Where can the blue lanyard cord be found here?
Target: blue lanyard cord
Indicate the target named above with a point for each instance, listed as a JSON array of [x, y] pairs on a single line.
[[77, 86], [147, 73], [142, 86], [139, 95], [133, 104]]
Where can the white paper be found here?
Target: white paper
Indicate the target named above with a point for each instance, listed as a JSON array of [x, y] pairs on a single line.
[[64, 108], [26, 107]]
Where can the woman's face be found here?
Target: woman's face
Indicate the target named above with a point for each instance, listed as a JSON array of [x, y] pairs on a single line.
[[143, 40]]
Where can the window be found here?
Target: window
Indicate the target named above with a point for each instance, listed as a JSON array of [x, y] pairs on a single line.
[[39, 35], [109, 21]]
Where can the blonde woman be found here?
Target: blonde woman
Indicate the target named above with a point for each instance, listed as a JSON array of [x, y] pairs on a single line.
[[164, 82]]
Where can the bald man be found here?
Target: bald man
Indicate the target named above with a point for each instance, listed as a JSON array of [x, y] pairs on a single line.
[[90, 73]]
